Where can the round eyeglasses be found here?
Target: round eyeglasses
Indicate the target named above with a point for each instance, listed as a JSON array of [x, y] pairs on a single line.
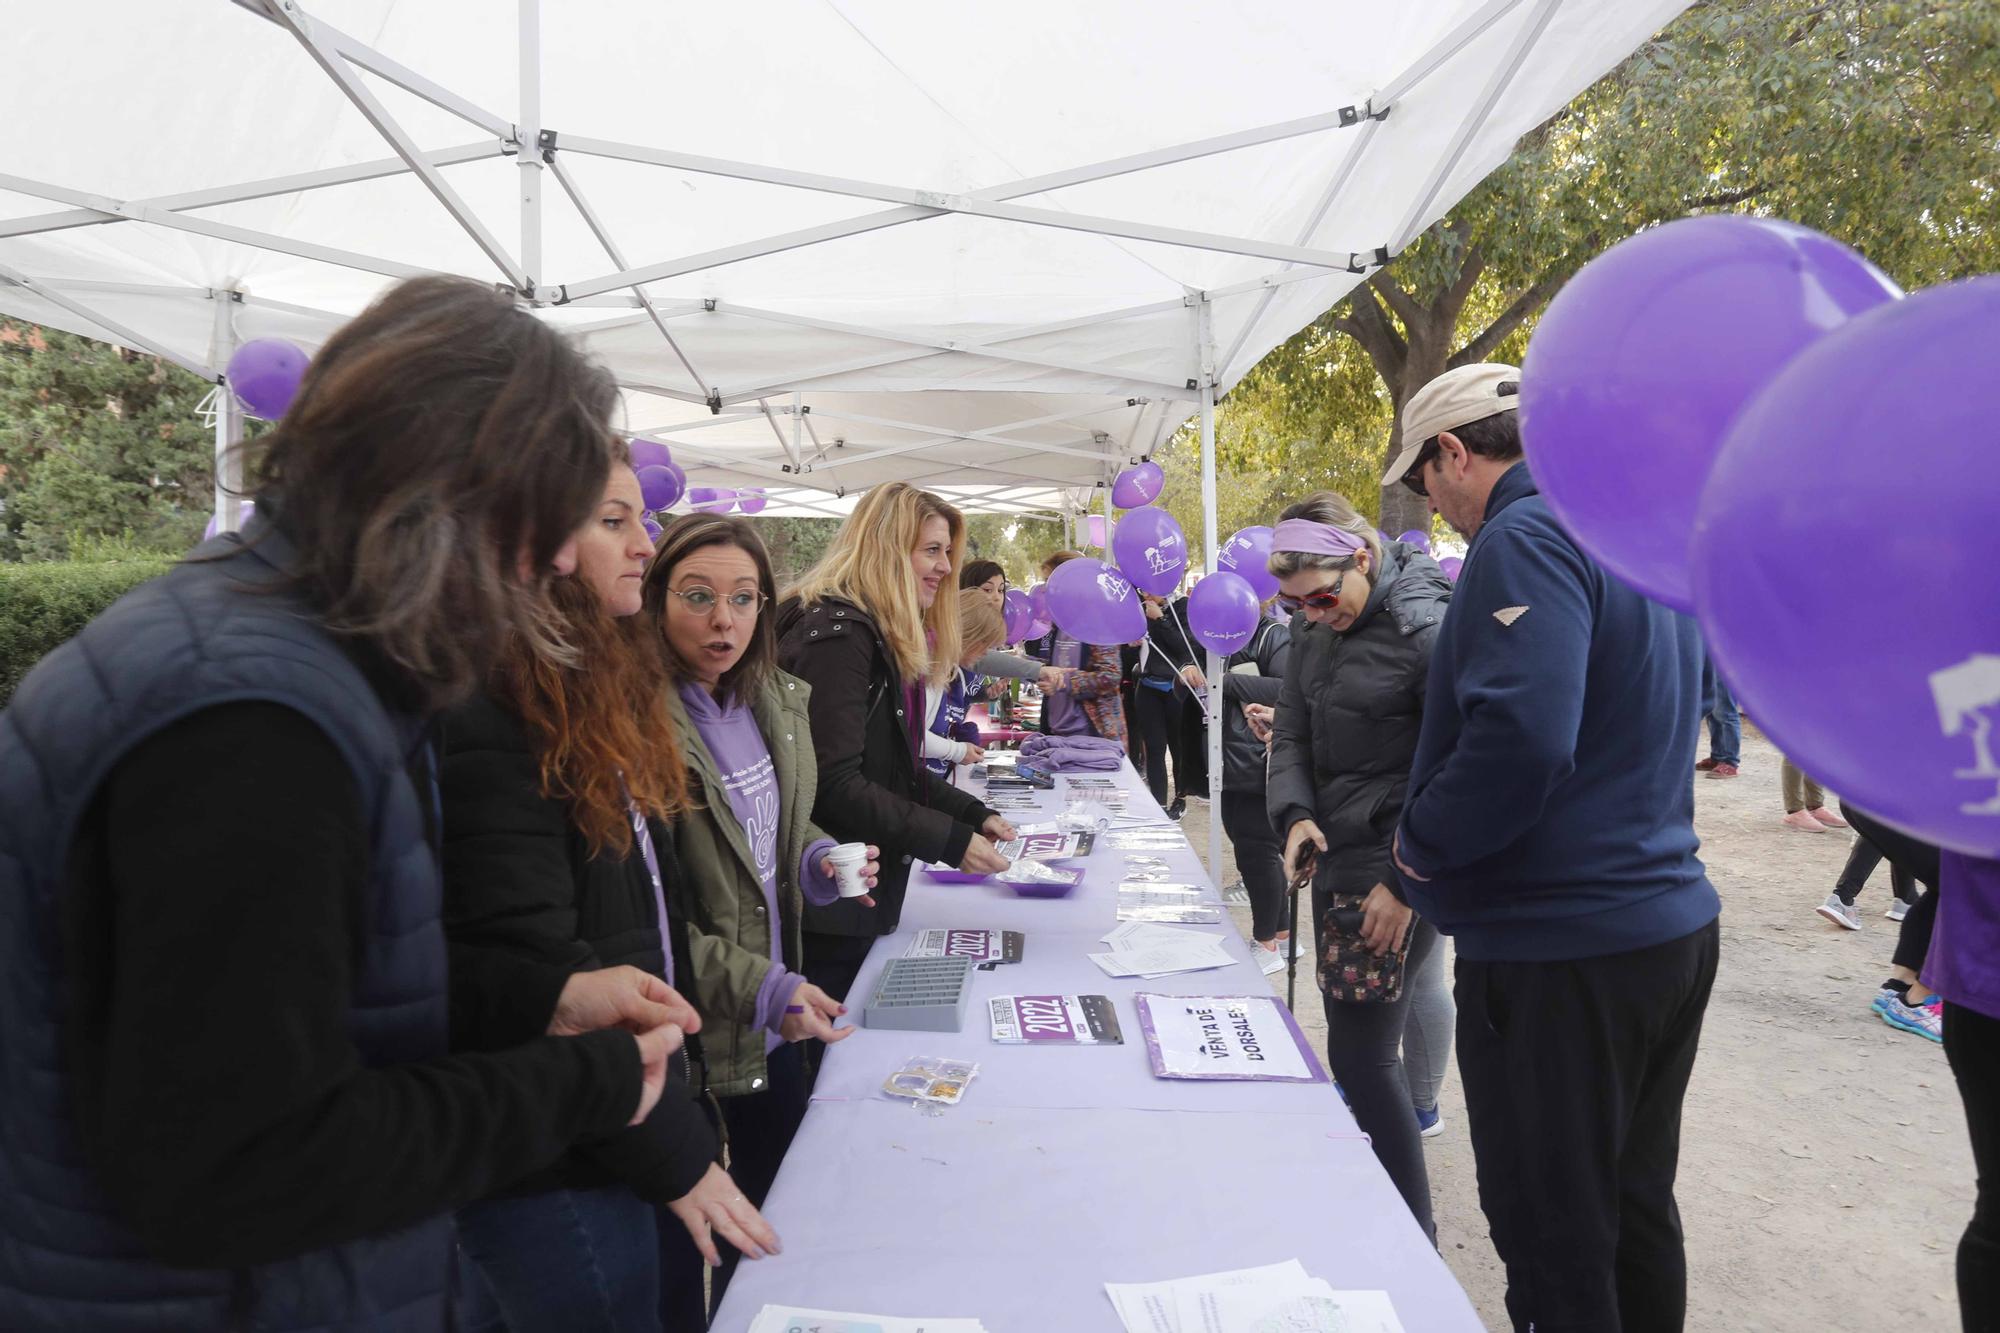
[[702, 601]]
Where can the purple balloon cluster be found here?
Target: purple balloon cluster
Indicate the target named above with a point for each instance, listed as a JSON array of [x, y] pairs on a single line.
[[1696, 455]]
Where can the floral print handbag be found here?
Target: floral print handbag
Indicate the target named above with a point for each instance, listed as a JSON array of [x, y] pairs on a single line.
[[1348, 969]]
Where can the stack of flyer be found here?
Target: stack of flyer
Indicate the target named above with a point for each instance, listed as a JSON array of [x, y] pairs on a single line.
[[797, 1319], [1278, 1298], [1144, 949]]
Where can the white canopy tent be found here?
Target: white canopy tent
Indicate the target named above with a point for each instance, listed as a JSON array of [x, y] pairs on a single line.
[[999, 251]]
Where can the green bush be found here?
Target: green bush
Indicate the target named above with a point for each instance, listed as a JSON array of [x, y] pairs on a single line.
[[42, 605]]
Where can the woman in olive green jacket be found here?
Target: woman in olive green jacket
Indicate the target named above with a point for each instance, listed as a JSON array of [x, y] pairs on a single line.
[[750, 855]]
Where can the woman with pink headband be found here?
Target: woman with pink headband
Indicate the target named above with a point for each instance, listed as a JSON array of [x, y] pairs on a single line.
[[1365, 614]]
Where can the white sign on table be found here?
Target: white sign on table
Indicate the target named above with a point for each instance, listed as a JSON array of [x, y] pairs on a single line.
[[1239, 1037]]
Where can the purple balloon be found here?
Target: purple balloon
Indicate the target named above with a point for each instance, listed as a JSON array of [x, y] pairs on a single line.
[[1138, 485], [1094, 603], [1020, 613], [653, 529], [1038, 602], [1632, 378], [711, 499], [264, 374], [660, 485], [1418, 538], [1904, 667], [751, 501], [1451, 565], [1248, 556], [1150, 550], [649, 453], [1222, 612], [1037, 628], [1094, 531]]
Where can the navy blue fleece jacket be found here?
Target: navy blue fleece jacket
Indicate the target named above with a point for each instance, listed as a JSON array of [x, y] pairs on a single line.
[[1551, 806]]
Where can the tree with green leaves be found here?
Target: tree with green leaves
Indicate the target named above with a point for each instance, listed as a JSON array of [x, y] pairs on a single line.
[[98, 444], [1878, 123]]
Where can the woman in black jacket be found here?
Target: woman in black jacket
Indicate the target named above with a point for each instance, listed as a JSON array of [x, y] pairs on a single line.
[[866, 628], [1344, 735], [557, 790]]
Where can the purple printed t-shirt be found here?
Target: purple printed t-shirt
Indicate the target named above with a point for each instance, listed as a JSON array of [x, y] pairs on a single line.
[[750, 783], [1065, 715], [1964, 960]]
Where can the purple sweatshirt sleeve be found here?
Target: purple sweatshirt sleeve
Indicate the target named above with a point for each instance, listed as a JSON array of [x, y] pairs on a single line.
[[813, 882], [771, 996]]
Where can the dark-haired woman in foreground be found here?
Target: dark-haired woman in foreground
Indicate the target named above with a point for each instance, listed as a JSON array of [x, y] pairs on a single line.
[[226, 1099]]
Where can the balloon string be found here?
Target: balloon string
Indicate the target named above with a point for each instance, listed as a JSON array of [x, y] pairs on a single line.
[[1199, 701]]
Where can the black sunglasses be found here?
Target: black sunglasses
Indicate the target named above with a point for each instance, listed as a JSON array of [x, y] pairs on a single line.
[[1414, 478]]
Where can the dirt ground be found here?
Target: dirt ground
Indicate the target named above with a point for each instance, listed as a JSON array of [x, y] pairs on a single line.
[[1825, 1174]]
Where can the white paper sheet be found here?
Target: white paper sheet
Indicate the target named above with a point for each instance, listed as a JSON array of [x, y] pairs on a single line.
[[1162, 959], [798, 1319], [1153, 1307]]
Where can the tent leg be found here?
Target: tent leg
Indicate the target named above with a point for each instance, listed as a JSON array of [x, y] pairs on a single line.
[[1214, 670], [228, 423]]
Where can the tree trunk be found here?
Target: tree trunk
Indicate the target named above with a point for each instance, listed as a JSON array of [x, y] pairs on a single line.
[[1401, 509]]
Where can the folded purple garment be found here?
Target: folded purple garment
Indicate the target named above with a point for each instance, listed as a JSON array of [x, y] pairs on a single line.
[[1066, 753]]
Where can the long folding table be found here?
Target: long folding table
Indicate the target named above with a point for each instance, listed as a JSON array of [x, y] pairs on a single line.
[[1067, 1167]]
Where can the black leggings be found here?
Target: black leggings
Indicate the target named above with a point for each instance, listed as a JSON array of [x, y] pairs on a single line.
[[1913, 941], [1158, 713], [1259, 858], [1862, 859], [1364, 1046], [1972, 1045]]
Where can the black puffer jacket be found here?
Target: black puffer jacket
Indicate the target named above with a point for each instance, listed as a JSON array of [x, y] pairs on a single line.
[[1348, 719], [1270, 651], [871, 787], [520, 882]]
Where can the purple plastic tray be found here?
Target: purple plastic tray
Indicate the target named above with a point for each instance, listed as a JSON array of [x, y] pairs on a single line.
[[944, 876], [1042, 890]]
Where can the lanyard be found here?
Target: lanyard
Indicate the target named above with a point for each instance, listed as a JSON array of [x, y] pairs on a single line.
[[644, 837]]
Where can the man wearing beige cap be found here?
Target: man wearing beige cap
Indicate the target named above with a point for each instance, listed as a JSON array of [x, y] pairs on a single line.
[[1549, 829]]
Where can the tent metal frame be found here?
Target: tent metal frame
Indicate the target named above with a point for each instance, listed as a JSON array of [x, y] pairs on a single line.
[[538, 151]]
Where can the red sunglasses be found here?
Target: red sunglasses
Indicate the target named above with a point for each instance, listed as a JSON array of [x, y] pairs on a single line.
[[1324, 600]]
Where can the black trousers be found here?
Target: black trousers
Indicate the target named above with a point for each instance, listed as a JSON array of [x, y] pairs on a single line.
[[1917, 858], [1574, 1074], [1862, 859], [1972, 1045], [1259, 859], [1157, 713], [1364, 1050]]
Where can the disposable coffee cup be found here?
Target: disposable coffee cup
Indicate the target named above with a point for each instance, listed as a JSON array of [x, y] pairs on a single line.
[[848, 858]]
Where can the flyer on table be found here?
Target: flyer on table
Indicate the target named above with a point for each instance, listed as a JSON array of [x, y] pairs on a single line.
[[1225, 1037]]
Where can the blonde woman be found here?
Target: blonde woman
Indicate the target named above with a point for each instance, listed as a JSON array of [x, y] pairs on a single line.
[[867, 630]]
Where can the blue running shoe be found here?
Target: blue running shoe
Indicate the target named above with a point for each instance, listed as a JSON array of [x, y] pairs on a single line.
[[1917, 1018], [1430, 1123]]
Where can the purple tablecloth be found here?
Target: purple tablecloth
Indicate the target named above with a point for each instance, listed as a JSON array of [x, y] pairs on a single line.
[[1019, 1217], [1064, 1167]]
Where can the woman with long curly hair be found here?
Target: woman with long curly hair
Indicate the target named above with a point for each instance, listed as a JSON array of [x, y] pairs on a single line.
[[867, 630], [559, 787]]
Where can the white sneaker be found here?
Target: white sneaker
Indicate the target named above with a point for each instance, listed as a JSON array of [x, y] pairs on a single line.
[[1898, 909], [1270, 961], [1840, 913]]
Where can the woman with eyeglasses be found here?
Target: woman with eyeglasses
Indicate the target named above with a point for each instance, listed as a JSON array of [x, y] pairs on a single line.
[[751, 856], [867, 630], [1365, 614]]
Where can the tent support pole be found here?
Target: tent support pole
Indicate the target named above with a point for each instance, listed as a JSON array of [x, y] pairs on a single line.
[[228, 423], [528, 152], [1205, 352]]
